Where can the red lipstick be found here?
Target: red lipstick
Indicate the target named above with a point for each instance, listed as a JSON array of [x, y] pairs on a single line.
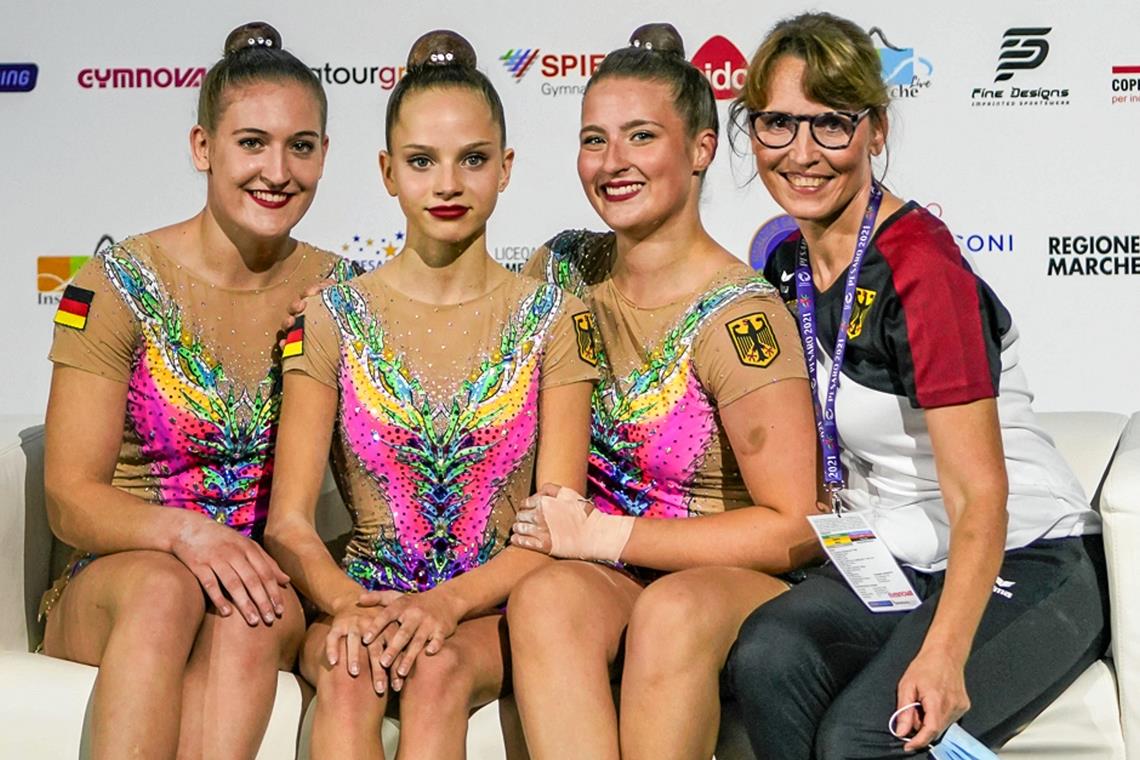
[[447, 212]]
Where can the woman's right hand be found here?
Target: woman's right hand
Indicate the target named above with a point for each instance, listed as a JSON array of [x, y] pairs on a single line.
[[228, 564], [348, 624]]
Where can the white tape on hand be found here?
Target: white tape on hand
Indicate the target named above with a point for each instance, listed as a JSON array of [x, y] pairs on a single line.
[[578, 531]]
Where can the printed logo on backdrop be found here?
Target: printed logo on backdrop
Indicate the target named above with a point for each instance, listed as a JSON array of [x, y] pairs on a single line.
[[384, 77], [1023, 52], [905, 73], [560, 73], [513, 257], [54, 273], [1094, 254], [18, 77], [371, 252], [141, 78], [1125, 84], [723, 65], [974, 241]]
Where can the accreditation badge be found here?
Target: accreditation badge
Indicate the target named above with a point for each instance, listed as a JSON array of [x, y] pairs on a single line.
[[865, 562]]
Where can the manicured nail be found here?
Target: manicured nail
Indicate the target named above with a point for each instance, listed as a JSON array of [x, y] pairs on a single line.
[[224, 610], [379, 687], [354, 669]]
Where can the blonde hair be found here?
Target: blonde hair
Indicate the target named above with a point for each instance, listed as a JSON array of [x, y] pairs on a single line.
[[842, 68]]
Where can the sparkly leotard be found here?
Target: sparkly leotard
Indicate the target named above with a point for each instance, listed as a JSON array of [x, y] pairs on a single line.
[[202, 373], [657, 445], [438, 417]]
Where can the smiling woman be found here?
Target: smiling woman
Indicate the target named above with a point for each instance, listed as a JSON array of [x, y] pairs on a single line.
[[161, 423]]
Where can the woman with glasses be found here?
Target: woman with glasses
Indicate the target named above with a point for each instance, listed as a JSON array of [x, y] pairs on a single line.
[[931, 452]]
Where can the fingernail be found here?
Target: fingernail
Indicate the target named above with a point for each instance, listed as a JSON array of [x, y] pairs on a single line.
[[385, 661], [402, 671], [224, 610], [280, 609], [252, 619], [353, 669], [268, 618], [367, 639], [379, 688]]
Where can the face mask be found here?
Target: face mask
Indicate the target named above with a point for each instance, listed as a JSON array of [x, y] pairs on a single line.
[[956, 744]]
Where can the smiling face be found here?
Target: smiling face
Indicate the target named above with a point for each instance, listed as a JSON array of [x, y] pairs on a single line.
[[811, 183], [637, 163], [446, 164], [264, 158]]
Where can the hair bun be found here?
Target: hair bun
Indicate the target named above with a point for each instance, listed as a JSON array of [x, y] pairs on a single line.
[[442, 47], [253, 34], [664, 38]]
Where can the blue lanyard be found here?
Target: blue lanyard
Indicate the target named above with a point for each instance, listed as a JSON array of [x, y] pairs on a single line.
[[833, 479]]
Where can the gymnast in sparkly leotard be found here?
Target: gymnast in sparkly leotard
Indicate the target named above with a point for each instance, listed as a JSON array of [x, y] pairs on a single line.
[[701, 457], [161, 426], [444, 384]]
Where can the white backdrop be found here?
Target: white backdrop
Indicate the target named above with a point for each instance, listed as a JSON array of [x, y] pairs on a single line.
[[1021, 177]]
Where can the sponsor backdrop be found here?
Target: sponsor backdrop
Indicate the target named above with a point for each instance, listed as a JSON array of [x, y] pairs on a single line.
[[1016, 123]]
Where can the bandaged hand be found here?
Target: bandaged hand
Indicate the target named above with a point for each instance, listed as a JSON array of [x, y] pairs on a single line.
[[563, 524]]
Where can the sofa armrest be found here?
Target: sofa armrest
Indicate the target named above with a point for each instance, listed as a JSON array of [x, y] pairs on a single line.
[[25, 539], [1120, 508]]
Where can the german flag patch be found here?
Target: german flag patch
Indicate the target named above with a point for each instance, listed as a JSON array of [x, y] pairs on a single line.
[[74, 307], [295, 339], [586, 333], [753, 339]]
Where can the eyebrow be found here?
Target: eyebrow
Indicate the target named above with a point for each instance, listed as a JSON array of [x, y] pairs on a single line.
[[627, 126], [432, 148], [262, 132]]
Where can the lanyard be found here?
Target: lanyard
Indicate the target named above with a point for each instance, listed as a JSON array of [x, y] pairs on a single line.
[[833, 479]]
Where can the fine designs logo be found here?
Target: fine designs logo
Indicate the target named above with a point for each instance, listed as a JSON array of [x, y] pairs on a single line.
[[723, 65], [904, 72], [1022, 48], [18, 77], [518, 62]]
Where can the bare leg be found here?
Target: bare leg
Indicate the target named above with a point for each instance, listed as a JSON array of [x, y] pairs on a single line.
[[135, 615], [514, 742], [231, 682], [566, 623], [678, 640], [348, 712], [442, 689]]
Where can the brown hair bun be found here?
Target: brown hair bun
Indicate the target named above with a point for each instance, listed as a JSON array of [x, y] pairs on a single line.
[[442, 47], [664, 38], [253, 34]]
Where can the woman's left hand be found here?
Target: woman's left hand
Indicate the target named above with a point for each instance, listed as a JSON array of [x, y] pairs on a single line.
[[530, 530], [425, 620], [937, 681]]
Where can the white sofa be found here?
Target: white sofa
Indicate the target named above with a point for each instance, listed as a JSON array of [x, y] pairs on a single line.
[[44, 701]]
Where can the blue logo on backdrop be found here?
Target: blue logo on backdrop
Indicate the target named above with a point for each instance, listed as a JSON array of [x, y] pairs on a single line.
[[767, 238], [18, 77], [904, 72]]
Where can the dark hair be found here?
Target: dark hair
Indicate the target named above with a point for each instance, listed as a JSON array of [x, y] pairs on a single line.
[[443, 59], [656, 53], [253, 53]]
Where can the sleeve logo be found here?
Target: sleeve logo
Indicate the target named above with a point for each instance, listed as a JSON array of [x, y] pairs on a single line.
[[295, 339], [74, 306], [863, 300], [753, 339], [585, 331]]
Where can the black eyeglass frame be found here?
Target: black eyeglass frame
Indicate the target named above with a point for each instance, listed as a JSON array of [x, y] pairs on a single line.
[[855, 116]]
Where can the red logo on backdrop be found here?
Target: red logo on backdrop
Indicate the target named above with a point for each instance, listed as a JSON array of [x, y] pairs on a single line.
[[723, 65]]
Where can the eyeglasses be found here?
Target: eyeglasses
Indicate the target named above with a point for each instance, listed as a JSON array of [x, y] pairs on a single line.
[[831, 129]]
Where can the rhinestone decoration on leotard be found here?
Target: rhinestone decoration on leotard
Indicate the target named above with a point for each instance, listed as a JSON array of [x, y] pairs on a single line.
[[650, 430], [440, 462]]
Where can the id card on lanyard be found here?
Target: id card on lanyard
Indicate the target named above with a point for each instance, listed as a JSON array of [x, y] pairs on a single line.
[[864, 560]]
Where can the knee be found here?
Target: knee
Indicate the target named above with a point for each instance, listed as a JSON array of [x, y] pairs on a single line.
[[771, 653], [348, 698], [441, 680], [669, 625], [546, 605], [838, 738], [255, 651], [163, 599]]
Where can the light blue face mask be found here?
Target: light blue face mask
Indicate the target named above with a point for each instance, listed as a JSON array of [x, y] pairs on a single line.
[[956, 744]]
